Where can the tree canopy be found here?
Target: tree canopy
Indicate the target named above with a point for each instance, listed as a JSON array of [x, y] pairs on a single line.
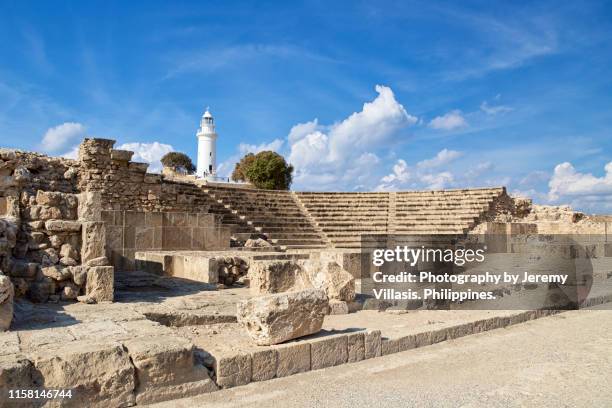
[[179, 162], [267, 170]]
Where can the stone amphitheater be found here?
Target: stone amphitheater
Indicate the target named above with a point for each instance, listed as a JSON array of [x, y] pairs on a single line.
[[129, 287]]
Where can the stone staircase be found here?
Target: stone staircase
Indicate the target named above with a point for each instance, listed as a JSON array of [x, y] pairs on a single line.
[[275, 214], [442, 212], [310, 220], [345, 217]]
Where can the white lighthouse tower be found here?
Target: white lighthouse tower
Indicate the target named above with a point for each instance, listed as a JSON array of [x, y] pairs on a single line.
[[207, 147]]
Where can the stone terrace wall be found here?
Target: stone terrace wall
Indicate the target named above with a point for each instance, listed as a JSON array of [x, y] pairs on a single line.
[[126, 185], [130, 231]]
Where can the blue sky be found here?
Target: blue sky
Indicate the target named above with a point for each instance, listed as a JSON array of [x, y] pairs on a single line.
[[357, 95]]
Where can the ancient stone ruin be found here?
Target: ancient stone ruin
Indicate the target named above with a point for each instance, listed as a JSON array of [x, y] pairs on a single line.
[[131, 287]]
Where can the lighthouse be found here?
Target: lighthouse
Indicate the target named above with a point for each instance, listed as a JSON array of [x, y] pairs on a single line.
[[207, 147]]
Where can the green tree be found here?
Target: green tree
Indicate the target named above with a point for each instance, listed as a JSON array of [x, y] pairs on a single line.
[[239, 173], [267, 170], [179, 162]]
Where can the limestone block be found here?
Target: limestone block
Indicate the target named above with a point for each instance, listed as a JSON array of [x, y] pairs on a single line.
[[338, 307], [276, 318], [101, 261], [356, 347], [56, 272], [69, 251], [372, 343], [49, 198], [233, 370], [100, 283], [79, 274], [7, 293], [166, 369], [328, 352], [121, 155], [264, 364], [331, 277], [273, 276], [62, 226], [93, 241], [293, 358], [90, 206], [99, 373]]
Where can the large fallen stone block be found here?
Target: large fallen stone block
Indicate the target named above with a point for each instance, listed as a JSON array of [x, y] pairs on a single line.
[[165, 369], [284, 276], [7, 293], [98, 373], [273, 319], [100, 283], [273, 276], [331, 277]]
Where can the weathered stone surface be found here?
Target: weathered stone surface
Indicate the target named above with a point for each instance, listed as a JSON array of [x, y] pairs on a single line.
[[331, 277], [15, 374], [62, 226], [293, 358], [56, 272], [273, 276], [273, 319], [284, 276], [356, 347], [100, 283], [101, 261], [372, 343], [338, 307], [165, 369], [69, 251], [70, 292], [328, 352], [79, 274], [7, 293], [93, 241], [264, 364], [257, 243], [90, 206], [233, 370], [99, 373]]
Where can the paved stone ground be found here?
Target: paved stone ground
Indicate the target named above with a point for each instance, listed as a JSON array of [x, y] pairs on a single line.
[[558, 361]]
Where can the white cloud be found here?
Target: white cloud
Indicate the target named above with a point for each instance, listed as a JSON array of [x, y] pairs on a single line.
[[426, 175], [149, 153], [449, 121], [60, 137], [566, 182], [274, 146], [400, 173], [345, 150], [301, 130], [494, 110], [443, 157]]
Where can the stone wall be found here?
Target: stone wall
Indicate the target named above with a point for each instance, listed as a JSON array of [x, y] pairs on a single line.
[[126, 185], [130, 231]]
